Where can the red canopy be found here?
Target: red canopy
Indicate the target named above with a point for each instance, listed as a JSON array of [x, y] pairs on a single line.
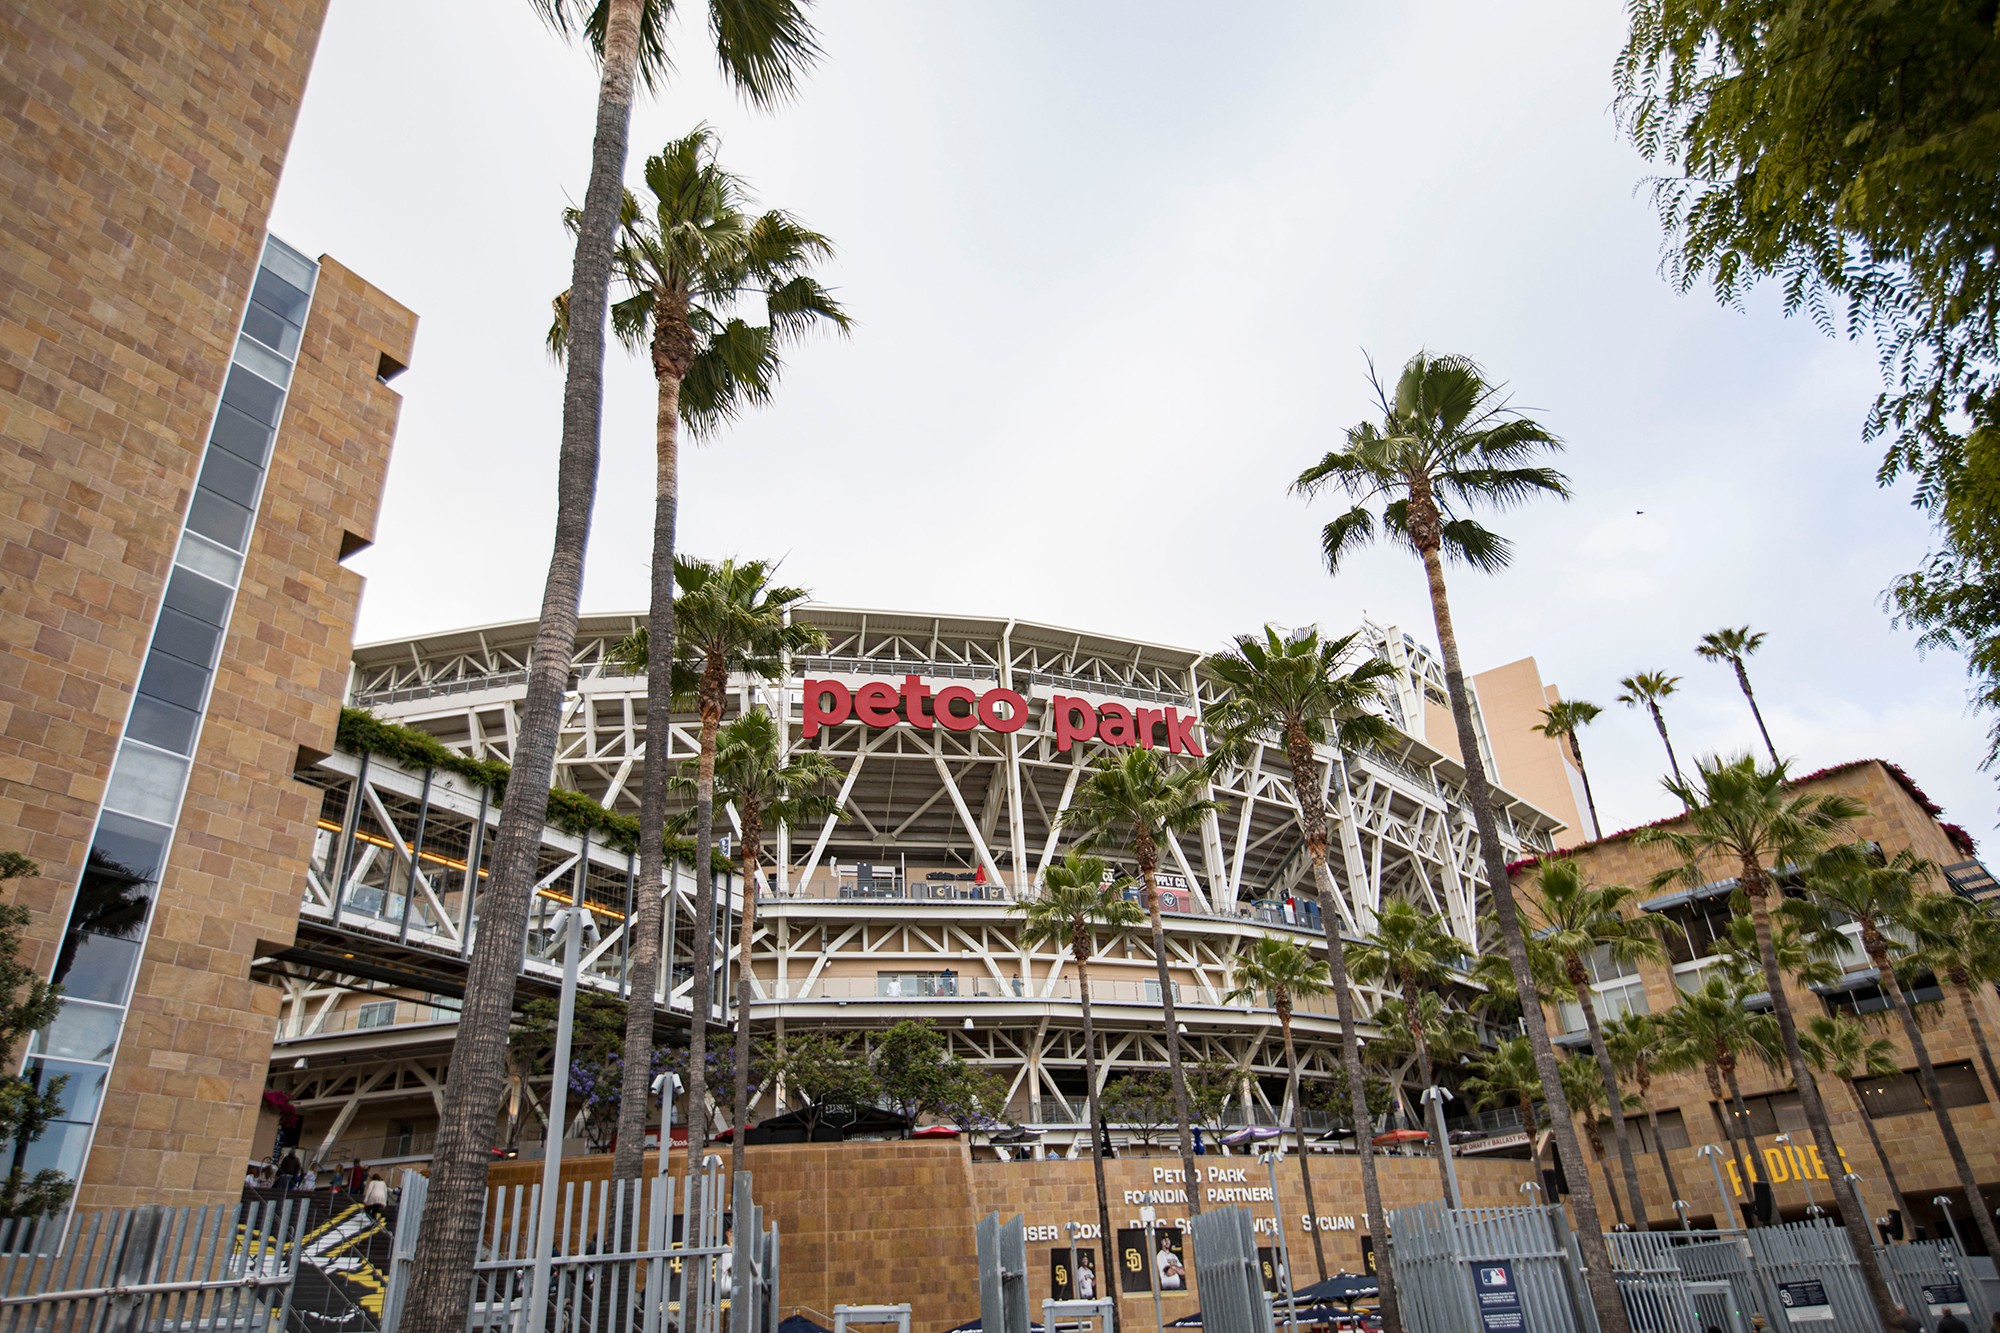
[[934, 1132], [1396, 1136]]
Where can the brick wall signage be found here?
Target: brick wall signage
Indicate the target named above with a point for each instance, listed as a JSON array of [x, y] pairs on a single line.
[[912, 703]]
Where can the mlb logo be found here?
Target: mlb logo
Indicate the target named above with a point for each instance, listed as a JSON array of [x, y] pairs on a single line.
[[1492, 1277]]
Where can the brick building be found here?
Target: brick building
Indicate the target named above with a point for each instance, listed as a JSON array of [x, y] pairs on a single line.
[[1898, 816], [196, 426]]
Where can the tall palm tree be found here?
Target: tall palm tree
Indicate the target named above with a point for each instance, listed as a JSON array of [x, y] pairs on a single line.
[[1710, 1029], [1583, 923], [1080, 907], [690, 259], [1746, 818], [1506, 1076], [1648, 690], [1565, 720], [1133, 799], [754, 774], [1411, 950], [1856, 882], [1285, 971], [1842, 1047], [1960, 942], [1447, 443], [1732, 646], [1583, 1082], [1634, 1043], [763, 46], [728, 619], [1303, 690]]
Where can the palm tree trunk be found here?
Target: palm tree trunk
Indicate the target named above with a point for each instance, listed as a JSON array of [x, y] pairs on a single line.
[[1596, 824], [1350, 1054], [1970, 1004], [1878, 954], [1299, 1134], [703, 989], [1615, 1098], [1743, 679], [441, 1284], [1660, 721], [1758, 885], [1728, 1128], [1742, 1112], [1183, 1122], [1604, 1295], [1106, 1273], [1660, 1151], [641, 1006], [753, 837], [1433, 1108]]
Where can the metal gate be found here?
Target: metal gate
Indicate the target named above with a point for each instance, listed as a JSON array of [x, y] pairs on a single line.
[[647, 1255], [1925, 1269], [1226, 1273], [1443, 1255], [216, 1268]]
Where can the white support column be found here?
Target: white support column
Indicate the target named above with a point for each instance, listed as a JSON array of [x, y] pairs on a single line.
[[839, 804], [965, 815], [1062, 808], [1362, 903]]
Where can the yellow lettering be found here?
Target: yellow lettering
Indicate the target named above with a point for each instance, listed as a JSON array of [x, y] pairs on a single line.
[[1775, 1160]]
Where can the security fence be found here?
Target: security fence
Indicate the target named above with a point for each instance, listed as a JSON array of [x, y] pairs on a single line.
[[217, 1268], [1468, 1268]]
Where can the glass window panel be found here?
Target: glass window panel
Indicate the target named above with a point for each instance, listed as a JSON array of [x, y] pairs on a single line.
[[288, 263], [82, 1089], [242, 435], [282, 298], [136, 848], [97, 967], [270, 330], [219, 518], [253, 395], [208, 559], [167, 677], [204, 599], [81, 1032], [183, 636], [60, 1148], [146, 783], [226, 474], [267, 363], [157, 722]]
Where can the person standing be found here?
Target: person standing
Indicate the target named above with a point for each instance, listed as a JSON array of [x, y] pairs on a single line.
[[288, 1171]]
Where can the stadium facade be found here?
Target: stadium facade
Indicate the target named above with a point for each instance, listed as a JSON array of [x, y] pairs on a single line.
[[960, 740]]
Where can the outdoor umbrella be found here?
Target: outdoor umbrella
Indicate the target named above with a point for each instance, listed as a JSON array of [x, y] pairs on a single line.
[[798, 1323], [1251, 1134], [1347, 1288], [973, 1326], [1396, 1136]]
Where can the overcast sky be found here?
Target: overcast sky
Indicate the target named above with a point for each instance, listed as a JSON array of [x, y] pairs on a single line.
[[1114, 268]]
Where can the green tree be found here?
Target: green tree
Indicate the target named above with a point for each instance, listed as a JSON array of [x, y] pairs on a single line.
[[1142, 1101], [974, 1101], [729, 619], [1305, 691], [1842, 1046], [764, 784], [596, 1059], [691, 259], [1411, 950], [1134, 799], [1732, 646], [1959, 942], [763, 46], [1851, 153], [1586, 925], [824, 1072], [28, 1003], [1564, 720], [1329, 1096], [1583, 1084], [1212, 1081], [1506, 1075], [1448, 443], [1282, 971], [913, 1069], [1710, 1029], [1746, 817], [1633, 1040], [1648, 690], [1081, 907], [1855, 882]]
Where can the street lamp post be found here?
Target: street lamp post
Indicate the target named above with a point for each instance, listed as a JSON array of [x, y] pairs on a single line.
[[1284, 1247], [1714, 1156], [1944, 1206], [1435, 1096], [571, 921], [1149, 1216], [1805, 1177]]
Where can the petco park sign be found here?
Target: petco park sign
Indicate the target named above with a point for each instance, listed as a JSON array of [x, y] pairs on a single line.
[[879, 703]]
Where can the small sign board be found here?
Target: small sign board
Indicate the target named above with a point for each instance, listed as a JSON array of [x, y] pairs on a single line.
[[1805, 1302], [1945, 1298], [1498, 1298]]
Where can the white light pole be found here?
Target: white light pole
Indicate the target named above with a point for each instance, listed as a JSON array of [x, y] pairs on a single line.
[[1149, 1215], [1714, 1156], [1284, 1247], [1944, 1206], [571, 921], [1434, 1097], [668, 1088]]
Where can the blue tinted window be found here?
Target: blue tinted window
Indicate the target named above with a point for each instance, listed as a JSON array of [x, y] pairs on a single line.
[[203, 599], [60, 1148], [253, 396], [99, 967], [133, 845], [226, 474], [185, 637], [279, 297], [82, 1089], [157, 722], [241, 434], [270, 330], [175, 681], [221, 520]]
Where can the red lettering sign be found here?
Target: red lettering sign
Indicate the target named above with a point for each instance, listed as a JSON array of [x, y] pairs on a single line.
[[877, 703]]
